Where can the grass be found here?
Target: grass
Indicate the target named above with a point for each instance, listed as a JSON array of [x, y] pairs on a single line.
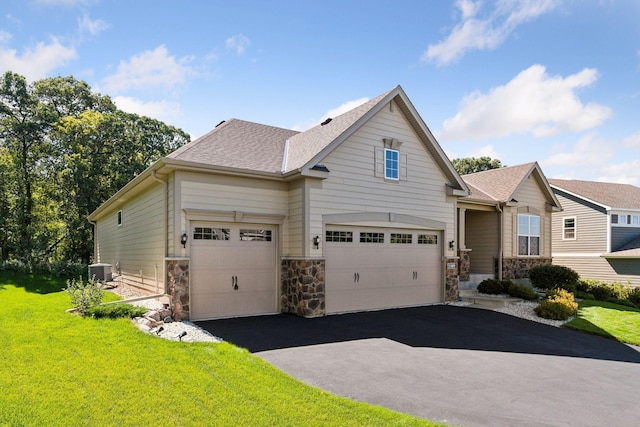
[[609, 320], [58, 369]]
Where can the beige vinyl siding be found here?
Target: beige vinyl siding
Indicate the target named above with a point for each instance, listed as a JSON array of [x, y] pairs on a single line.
[[218, 193], [482, 238], [170, 214], [296, 219], [353, 187], [591, 229], [138, 244], [529, 195], [595, 267]]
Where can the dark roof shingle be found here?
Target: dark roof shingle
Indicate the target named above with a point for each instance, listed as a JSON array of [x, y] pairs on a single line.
[[616, 196], [238, 144]]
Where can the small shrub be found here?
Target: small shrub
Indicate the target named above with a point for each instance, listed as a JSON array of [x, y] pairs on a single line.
[[522, 291], [490, 286], [601, 291], [84, 295], [559, 305], [116, 311], [584, 295], [506, 284], [554, 276], [634, 296]]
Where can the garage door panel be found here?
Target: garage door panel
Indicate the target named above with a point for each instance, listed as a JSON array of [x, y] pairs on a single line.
[[235, 276], [402, 268]]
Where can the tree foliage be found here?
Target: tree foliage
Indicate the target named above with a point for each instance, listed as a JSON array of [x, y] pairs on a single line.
[[469, 165], [63, 151]]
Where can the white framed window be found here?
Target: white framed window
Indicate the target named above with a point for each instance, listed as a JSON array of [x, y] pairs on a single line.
[[338, 236], [403, 238], [391, 164], [371, 237], [528, 235], [119, 218], [569, 228], [624, 220], [208, 233], [247, 235], [427, 239]]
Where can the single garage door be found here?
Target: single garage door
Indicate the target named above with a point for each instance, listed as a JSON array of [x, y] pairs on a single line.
[[374, 268], [233, 270]]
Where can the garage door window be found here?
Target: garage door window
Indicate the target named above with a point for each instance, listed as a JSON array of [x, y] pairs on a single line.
[[427, 239], [371, 237], [401, 238], [255, 235], [338, 236], [208, 233]]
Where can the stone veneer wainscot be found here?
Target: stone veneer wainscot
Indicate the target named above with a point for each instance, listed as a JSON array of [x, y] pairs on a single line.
[[518, 268], [451, 280], [178, 287], [302, 287]]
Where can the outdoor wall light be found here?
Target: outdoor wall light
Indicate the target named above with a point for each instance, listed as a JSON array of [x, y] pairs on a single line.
[[316, 242], [183, 240], [452, 244]]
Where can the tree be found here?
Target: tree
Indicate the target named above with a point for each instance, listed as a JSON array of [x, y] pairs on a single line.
[[469, 165], [63, 151], [23, 127]]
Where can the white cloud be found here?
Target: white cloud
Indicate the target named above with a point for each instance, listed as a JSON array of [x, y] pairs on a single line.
[[632, 141], [473, 33], [160, 110], [151, 68], [589, 150], [5, 36], [36, 63], [239, 43], [334, 112], [487, 150], [533, 102], [621, 173], [92, 27]]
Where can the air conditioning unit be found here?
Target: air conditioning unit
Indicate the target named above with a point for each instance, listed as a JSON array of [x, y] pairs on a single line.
[[101, 272]]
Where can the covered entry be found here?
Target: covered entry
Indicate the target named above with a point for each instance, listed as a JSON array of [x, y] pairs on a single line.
[[233, 270], [370, 268]]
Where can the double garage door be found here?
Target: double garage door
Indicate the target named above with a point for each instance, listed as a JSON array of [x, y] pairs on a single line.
[[375, 268], [234, 269]]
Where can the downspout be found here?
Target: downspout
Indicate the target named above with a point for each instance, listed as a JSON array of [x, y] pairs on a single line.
[[166, 222], [500, 240]]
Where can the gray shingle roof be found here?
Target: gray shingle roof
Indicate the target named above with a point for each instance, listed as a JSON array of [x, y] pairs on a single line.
[[497, 185], [306, 145], [238, 144], [616, 196]]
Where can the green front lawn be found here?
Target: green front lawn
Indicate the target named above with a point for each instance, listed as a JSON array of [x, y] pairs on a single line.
[[609, 320], [58, 369]]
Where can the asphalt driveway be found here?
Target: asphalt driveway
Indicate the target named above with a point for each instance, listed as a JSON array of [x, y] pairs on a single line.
[[458, 365]]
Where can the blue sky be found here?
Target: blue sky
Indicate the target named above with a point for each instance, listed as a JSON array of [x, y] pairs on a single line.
[[553, 81]]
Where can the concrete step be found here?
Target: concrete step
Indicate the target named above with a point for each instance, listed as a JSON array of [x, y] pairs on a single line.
[[476, 298]]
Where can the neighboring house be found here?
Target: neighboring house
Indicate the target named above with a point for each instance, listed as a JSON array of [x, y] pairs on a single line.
[[357, 213], [505, 224], [598, 233]]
